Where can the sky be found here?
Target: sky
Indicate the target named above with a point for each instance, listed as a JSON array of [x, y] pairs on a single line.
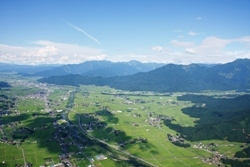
[[164, 31]]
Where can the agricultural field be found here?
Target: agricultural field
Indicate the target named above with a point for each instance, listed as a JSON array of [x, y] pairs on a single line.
[[136, 122], [88, 125]]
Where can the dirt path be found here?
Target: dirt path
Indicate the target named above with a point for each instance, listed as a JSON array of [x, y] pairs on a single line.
[[150, 153], [24, 161], [168, 150]]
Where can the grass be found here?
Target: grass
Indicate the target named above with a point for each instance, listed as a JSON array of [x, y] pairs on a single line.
[[32, 152], [134, 108], [10, 155], [158, 147], [31, 116]]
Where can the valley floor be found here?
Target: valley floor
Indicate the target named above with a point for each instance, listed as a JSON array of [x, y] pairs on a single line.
[[49, 125]]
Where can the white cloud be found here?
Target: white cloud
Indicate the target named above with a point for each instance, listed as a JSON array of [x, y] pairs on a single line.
[[190, 50], [48, 52], [191, 33], [245, 40], [210, 50], [157, 48], [84, 32], [212, 45]]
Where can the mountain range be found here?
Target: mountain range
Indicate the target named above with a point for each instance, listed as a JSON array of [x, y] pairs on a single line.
[[101, 69], [170, 78]]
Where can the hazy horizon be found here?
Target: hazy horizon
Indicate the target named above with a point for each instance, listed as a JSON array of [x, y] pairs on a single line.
[[57, 65]]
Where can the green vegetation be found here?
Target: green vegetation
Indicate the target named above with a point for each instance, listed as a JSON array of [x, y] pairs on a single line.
[[4, 84], [47, 124], [245, 153], [170, 78], [219, 118]]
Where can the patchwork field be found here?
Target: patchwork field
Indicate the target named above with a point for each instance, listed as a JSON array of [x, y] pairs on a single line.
[[75, 125]]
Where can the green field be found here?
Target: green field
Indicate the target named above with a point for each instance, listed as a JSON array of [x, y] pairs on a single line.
[[129, 128]]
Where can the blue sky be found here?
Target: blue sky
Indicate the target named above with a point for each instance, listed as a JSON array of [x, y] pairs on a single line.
[[168, 31]]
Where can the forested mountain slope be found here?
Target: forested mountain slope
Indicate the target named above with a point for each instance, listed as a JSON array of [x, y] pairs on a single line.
[[172, 78]]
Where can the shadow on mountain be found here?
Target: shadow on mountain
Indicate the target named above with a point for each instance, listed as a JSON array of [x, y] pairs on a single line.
[[222, 118]]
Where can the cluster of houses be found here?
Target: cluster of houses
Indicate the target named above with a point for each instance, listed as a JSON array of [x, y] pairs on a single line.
[[136, 115], [156, 121], [54, 165], [65, 159], [135, 124], [174, 138], [133, 141], [64, 133], [93, 122], [138, 140], [9, 141], [61, 135], [214, 160], [10, 138], [177, 140]]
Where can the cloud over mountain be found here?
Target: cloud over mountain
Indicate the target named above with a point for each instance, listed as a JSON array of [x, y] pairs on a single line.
[[48, 52], [211, 49]]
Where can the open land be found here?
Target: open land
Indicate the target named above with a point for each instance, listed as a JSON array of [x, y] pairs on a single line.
[[49, 125]]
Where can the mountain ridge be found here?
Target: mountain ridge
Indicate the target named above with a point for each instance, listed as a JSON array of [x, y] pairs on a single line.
[[171, 77], [97, 68], [102, 68]]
